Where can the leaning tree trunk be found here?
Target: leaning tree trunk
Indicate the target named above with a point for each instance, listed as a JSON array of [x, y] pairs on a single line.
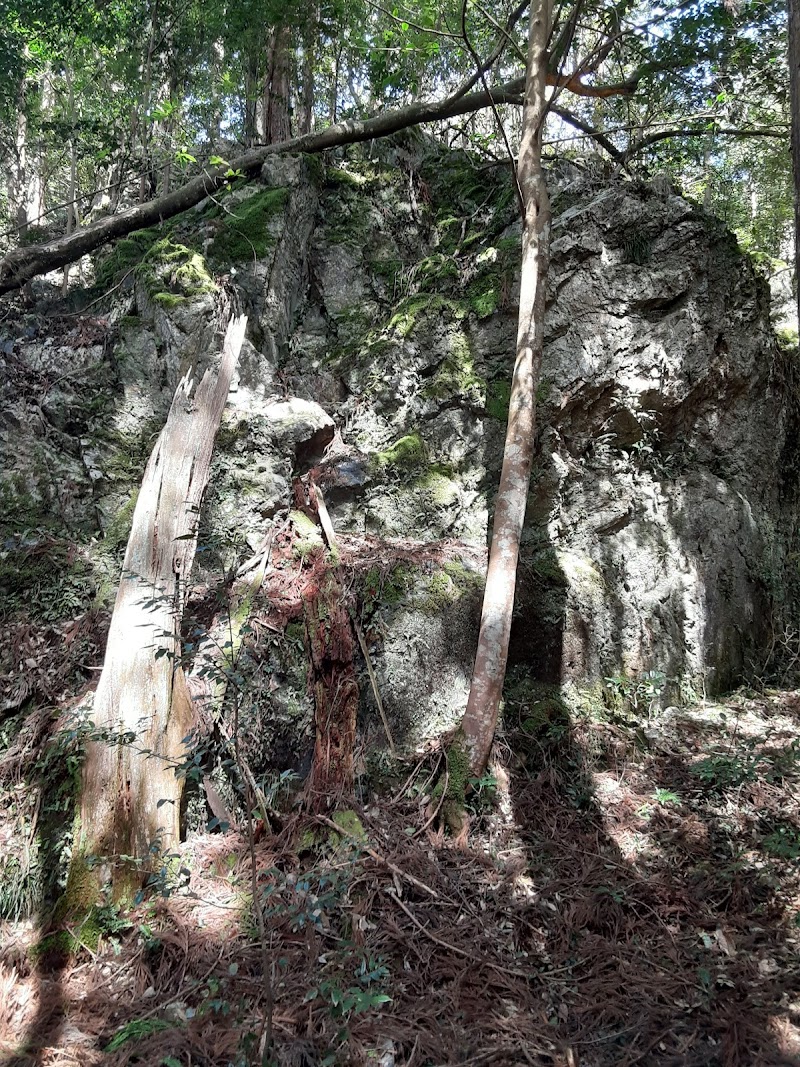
[[480, 718], [794, 96], [130, 795]]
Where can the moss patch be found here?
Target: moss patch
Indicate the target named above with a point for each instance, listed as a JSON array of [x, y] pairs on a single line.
[[452, 789], [406, 455], [309, 536], [498, 398], [456, 375], [245, 232]]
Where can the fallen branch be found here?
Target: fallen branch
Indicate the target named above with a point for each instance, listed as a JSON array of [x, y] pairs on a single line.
[[378, 857], [22, 264]]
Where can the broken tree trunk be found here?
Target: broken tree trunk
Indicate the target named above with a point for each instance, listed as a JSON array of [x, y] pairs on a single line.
[[334, 687], [332, 680], [130, 795], [480, 718]]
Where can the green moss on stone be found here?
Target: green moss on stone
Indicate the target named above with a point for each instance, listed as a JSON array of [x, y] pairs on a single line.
[[456, 375], [447, 586], [119, 529], [126, 255], [245, 232], [412, 309], [169, 300], [498, 397], [407, 454]]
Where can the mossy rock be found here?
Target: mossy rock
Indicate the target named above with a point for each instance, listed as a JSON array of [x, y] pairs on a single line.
[[498, 398], [447, 586], [405, 455], [539, 710], [246, 230], [171, 272], [456, 375]]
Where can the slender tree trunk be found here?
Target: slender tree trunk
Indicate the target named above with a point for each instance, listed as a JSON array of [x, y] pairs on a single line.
[[18, 181], [480, 718], [72, 195], [334, 104], [145, 127], [251, 96], [794, 96], [130, 796]]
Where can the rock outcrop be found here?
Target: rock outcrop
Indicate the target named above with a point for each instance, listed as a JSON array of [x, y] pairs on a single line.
[[658, 540]]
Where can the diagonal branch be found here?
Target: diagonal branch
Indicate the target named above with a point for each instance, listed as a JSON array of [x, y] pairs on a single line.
[[590, 131], [22, 264]]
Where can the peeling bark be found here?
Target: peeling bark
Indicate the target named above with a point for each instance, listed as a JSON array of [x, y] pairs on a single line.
[[334, 687], [480, 718], [332, 680], [130, 796]]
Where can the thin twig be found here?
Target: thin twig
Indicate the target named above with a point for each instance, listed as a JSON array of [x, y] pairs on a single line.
[[378, 857], [515, 971]]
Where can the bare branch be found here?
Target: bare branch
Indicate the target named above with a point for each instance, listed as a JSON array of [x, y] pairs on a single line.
[[483, 66], [590, 131]]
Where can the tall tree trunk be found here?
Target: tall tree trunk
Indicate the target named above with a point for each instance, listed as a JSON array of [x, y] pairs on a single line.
[[72, 195], [276, 88], [310, 37], [144, 124], [130, 796], [480, 718], [334, 104], [794, 96], [18, 181], [251, 101]]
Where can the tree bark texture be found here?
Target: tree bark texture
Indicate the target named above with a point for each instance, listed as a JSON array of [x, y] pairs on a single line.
[[130, 795], [310, 40], [480, 718], [276, 88], [794, 96]]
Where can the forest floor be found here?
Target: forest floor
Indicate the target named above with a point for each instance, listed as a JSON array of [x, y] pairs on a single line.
[[628, 893]]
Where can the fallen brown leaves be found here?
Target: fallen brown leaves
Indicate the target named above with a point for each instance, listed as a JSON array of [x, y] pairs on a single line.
[[609, 909]]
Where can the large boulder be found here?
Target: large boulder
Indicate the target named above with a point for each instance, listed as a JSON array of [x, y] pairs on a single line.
[[382, 324]]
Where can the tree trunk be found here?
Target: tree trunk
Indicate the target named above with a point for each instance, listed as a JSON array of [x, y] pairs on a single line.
[[480, 718], [334, 688], [310, 36], [23, 264], [144, 124], [72, 195], [794, 96], [130, 796], [276, 88], [251, 101], [332, 680]]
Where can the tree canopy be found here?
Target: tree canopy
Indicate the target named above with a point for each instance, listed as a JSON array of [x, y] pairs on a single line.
[[109, 104]]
